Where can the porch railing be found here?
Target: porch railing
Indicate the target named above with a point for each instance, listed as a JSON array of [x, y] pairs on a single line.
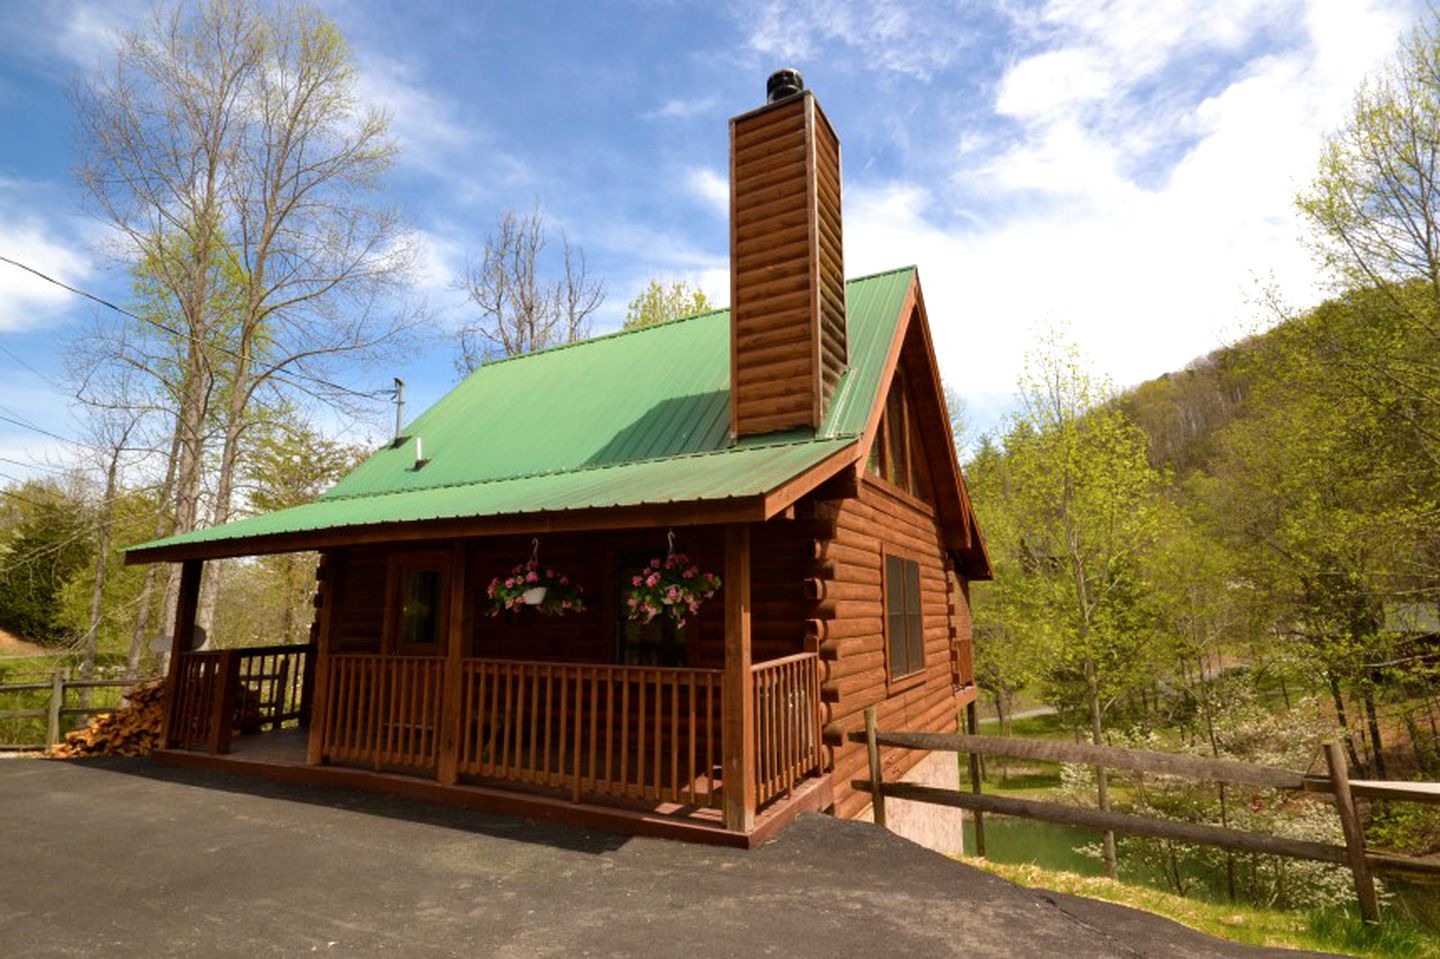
[[383, 710], [786, 695], [217, 691], [619, 732], [614, 731], [194, 689]]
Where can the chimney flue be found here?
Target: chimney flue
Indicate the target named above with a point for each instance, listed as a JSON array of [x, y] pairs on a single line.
[[782, 84]]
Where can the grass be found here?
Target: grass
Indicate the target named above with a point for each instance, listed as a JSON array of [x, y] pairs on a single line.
[[1329, 931]]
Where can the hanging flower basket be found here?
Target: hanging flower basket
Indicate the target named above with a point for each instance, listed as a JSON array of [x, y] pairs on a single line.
[[535, 586], [673, 587]]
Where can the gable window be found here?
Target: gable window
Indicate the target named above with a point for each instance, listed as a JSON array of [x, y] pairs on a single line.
[[904, 632], [418, 607], [895, 456]]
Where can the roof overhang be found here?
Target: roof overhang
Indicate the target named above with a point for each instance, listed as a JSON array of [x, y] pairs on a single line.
[[757, 507]]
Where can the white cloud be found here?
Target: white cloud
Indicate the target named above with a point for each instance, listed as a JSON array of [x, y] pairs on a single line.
[[681, 109], [436, 135], [1042, 84], [887, 36], [1142, 220], [710, 188], [26, 300]]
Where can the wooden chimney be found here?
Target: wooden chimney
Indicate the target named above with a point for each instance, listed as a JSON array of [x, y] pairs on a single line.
[[787, 265]]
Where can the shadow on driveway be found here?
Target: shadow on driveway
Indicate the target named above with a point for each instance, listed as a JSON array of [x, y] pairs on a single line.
[[118, 858]]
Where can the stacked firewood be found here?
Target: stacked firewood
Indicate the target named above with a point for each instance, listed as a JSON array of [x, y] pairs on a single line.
[[132, 730]]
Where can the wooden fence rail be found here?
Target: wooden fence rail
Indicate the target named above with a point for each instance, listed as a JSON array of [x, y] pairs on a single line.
[[56, 709], [1336, 784]]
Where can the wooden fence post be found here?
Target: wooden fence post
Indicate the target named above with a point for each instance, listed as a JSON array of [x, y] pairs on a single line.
[[877, 779], [57, 703], [972, 725], [1354, 835]]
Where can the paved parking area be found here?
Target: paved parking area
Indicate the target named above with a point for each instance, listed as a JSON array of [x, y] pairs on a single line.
[[118, 858]]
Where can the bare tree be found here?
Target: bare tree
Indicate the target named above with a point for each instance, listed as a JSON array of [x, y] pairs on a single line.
[[519, 311], [228, 150]]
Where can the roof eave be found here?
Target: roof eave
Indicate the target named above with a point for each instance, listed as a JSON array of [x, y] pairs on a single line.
[[740, 509]]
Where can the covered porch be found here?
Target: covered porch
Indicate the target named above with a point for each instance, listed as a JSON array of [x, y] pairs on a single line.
[[690, 737]]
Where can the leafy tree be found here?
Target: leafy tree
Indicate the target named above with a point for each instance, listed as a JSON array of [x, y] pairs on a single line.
[[50, 543], [289, 462], [520, 311], [1082, 507], [662, 301], [1372, 209]]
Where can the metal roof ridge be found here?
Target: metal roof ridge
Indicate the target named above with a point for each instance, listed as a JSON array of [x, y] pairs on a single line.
[[605, 336], [664, 323], [325, 498], [879, 273]]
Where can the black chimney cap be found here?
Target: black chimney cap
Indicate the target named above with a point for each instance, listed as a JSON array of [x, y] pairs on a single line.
[[782, 84]]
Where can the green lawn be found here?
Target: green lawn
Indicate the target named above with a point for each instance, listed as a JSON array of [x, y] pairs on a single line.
[[1341, 932]]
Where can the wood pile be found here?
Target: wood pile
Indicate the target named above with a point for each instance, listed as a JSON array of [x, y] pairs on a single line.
[[132, 730]]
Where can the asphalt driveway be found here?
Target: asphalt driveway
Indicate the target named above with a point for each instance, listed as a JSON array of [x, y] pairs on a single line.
[[119, 858]]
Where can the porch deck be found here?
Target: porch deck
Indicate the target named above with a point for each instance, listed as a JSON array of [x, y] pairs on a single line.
[[280, 756]]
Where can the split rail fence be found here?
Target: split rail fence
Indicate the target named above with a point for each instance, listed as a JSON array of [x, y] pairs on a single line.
[[1336, 784], [56, 709]]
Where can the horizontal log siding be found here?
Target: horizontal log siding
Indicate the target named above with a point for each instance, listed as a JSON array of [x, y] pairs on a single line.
[[775, 253], [355, 585], [830, 267], [851, 635]]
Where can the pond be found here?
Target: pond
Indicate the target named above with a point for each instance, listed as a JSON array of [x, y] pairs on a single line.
[[1044, 844]]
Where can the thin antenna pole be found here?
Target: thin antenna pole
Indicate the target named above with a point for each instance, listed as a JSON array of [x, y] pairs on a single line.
[[399, 407]]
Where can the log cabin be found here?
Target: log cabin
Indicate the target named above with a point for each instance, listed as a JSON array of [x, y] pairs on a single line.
[[796, 446]]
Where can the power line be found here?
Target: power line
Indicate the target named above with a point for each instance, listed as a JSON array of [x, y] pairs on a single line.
[[34, 466], [16, 357], [371, 395], [40, 429]]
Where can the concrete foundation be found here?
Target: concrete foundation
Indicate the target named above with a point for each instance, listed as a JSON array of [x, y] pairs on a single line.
[[940, 828]]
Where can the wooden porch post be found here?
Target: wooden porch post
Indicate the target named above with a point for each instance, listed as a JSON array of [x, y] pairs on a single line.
[[319, 665], [449, 732], [181, 636], [738, 728]]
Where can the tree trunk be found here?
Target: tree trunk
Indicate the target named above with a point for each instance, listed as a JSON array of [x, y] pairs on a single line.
[[97, 589], [163, 525], [1097, 736], [1372, 723], [1340, 715], [225, 485]]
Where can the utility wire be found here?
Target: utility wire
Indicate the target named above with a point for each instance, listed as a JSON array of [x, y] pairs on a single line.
[[371, 395], [40, 429]]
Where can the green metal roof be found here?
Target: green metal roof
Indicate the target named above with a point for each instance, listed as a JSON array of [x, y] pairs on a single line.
[[637, 417]]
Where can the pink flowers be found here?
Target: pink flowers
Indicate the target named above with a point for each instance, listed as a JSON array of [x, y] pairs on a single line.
[[674, 587], [555, 592]]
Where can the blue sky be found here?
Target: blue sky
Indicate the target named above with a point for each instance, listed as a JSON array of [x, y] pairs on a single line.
[[1122, 167]]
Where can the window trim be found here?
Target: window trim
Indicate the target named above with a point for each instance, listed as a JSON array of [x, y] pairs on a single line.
[[398, 566], [915, 676]]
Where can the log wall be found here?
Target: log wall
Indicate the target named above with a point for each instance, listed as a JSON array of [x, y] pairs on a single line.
[[849, 625]]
